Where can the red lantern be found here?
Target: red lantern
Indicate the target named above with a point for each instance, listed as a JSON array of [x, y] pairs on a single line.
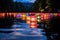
[[33, 21]]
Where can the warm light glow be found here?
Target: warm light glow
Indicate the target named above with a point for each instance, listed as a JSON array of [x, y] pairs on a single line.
[[23, 17], [14, 14], [33, 23], [48, 16], [28, 22], [7, 14], [44, 16], [10, 14], [55, 14], [37, 14], [33, 26], [27, 17], [3, 14], [32, 19], [39, 20]]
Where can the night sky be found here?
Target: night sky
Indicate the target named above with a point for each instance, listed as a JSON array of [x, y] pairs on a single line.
[[27, 1]]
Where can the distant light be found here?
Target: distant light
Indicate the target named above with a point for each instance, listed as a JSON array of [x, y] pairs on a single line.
[[42, 17], [55, 14], [14, 15], [37, 14]]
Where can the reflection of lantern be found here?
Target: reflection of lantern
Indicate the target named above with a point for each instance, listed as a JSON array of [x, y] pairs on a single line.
[[33, 22], [28, 19]]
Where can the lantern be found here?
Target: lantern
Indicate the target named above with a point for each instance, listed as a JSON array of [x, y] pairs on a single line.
[[38, 18], [42, 17], [28, 19], [33, 21]]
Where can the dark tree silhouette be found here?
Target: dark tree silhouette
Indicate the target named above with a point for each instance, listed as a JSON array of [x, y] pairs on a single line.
[[46, 5], [6, 5]]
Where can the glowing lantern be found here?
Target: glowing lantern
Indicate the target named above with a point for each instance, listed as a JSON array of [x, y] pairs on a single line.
[[15, 15], [33, 22], [28, 19], [55, 14], [38, 18], [48, 16], [33, 18], [45, 16], [10, 14], [42, 17], [7, 14], [2, 15], [23, 16]]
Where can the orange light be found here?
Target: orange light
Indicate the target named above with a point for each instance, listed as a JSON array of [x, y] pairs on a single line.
[[48, 16], [10, 14], [37, 14], [14, 14], [32, 27], [32, 23], [44, 16], [28, 22], [28, 19], [55, 14], [23, 16], [2, 15]]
